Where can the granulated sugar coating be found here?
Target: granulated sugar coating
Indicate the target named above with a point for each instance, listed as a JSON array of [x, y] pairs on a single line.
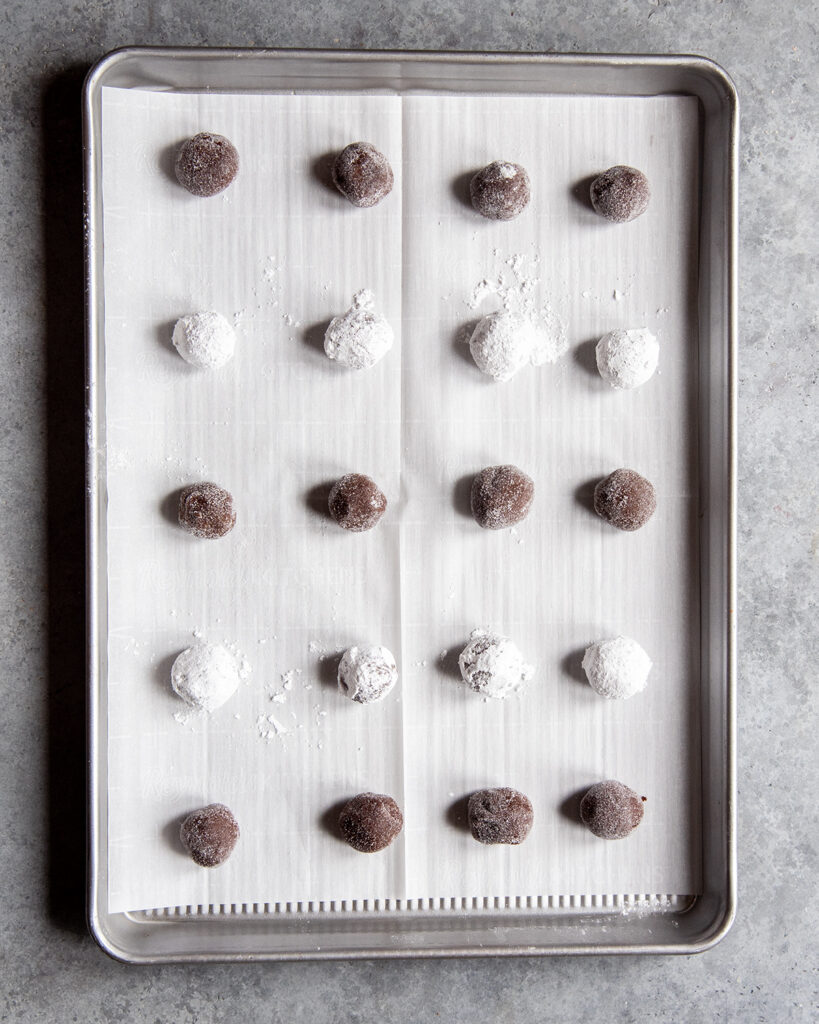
[[206, 510], [360, 337], [501, 191], [367, 674], [362, 174], [492, 665], [205, 676], [210, 835], [617, 668], [370, 821], [620, 194], [503, 343], [611, 810], [625, 499], [501, 496], [627, 359], [356, 502], [206, 164], [205, 340], [500, 816]]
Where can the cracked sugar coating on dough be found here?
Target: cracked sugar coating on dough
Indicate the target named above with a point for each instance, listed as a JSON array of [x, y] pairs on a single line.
[[501, 191], [620, 194], [206, 510], [618, 668], [205, 676], [492, 665], [627, 359], [503, 343], [362, 174], [356, 502], [360, 337], [625, 499], [206, 164], [205, 340], [501, 496], [370, 821], [611, 810], [210, 835], [500, 816], [367, 674]]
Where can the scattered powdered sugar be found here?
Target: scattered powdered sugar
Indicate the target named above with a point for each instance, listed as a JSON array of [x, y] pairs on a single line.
[[618, 668], [360, 337], [492, 665], [627, 358]]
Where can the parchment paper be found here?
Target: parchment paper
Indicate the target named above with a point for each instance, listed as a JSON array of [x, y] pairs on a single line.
[[281, 253]]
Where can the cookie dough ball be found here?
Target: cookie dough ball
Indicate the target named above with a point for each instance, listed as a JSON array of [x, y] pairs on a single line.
[[362, 174], [627, 359], [206, 164], [206, 510], [500, 191], [500, 816], [503, 343], [210, 835], [620, 194], [205, 676], [625, 499], [616, 668], [370, 821], [359, 337], [356, 502], [492, 665], [205, 340], [611, 810], [501, 496], [367, 674]]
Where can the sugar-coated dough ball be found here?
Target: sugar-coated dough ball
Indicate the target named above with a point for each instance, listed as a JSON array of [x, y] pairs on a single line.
[[620, 194], [370, 821], [500, 816], [501, 496], [205, 340], [206, 510], [611, 810], [205, 676], [210, 835], [359, 337], [492, 665], [627, 359], [366, 674], [362, 174], [625, 499], [616, 668], [501, 191], [503, 343], [206, 164], [356, 502]]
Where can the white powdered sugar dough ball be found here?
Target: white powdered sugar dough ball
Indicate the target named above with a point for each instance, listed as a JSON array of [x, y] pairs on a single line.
[[366, 674], [205, 676], [205, 340], [617, 668], [503, 343], [360, 337], [627, 359], [492, 665]]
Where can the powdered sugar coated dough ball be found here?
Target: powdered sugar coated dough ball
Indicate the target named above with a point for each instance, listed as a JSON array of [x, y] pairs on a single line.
[[205, 340], [617, 668], [205, 676], [627, 359], [493, 665], [503, 343], [359, 337], [367, 674]]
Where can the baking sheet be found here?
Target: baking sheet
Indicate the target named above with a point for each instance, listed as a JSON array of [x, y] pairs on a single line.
[[281, 253]]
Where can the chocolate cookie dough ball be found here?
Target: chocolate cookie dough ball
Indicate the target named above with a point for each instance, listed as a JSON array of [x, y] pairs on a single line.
[[356, 502], [611, 810], [205, 676], [205, 340], [501, 191], [493, 665], [500, 816], [206, 510], [501, 496], [367, 674], [620, 194], [502, 344], [206, 164], [618, 668], [210, 835], [362, 174], [625, 499], [370, 821], [360, 337]]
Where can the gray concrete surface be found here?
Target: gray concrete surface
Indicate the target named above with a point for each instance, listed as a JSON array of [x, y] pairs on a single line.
[[765, 970]]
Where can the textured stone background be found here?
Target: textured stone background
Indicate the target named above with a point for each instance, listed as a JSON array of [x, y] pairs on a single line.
[[765, 970]]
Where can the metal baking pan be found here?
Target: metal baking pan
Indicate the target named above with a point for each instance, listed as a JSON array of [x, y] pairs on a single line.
[[453, 928]]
